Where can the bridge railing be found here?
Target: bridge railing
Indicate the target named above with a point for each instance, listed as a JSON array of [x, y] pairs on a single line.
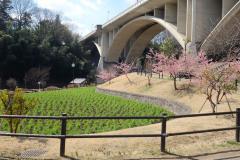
[[163, 134], [138, 3]]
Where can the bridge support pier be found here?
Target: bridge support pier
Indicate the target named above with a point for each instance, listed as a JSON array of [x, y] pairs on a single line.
[[170, 13], [182, 16]]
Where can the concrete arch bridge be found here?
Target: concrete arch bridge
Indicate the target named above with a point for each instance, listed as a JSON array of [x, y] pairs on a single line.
[[192, 23]]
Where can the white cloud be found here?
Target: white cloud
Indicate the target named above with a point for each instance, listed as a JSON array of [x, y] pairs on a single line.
[[78, 27], [65, 6], [74, 11]]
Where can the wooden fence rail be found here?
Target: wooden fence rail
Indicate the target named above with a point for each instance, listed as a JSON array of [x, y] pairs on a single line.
[[163, 134]]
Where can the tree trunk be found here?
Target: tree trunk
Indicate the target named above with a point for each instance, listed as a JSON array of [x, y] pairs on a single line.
[[10, 125], [149, 81], [16, 126], [218, 96], [128, 79], [175, 83]]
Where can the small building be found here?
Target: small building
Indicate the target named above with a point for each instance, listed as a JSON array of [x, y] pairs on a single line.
[[78, 82]]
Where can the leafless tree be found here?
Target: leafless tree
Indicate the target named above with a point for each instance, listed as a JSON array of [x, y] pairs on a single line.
[[35, 75], [224, 41], [40, 14], [22, 11]]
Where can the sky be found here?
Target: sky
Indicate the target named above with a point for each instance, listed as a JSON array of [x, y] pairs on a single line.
[[84, 15]]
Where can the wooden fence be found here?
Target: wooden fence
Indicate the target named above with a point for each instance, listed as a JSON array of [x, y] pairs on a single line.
[[163, 134]]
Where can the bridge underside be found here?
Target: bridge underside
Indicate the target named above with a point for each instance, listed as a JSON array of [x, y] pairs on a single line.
[[142, 42], [134, 37], [226, 34]]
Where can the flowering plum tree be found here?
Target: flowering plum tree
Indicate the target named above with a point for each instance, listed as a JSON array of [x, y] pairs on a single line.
[[188, 65], [124, 69], [216, 80], [173, 67], [107, 75], [160, 62]]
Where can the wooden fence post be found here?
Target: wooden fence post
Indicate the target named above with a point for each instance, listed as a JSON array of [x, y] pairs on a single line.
[[63, 133], [238, 125], [163, 132]]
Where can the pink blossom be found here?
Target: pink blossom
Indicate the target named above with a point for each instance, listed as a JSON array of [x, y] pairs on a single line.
[[107, 75], [124, 69]]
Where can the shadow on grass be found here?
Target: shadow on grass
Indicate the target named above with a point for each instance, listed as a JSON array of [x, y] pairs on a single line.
[[40, 140], [223, 155]]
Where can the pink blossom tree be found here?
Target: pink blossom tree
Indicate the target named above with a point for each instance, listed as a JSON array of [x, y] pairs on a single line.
[[124, 69], [107, 75], [188, 64], [173, 67], [149, 62], [216, 80], [160, 62]]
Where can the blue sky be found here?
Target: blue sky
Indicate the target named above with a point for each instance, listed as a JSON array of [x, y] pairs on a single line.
[[84, 15]]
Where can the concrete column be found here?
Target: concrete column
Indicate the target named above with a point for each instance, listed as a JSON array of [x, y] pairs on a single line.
[[194, 16], [125, 51], [191, 46], [208, 14], [99, 38], [182, 16], [159, 13], [227, 6], [100, 64], [105, 43], [114, 33], [189, 20], [99, 34], [170, 13], [110, 35]]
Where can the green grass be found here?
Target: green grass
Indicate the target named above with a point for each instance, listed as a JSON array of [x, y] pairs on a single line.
[[230, 144], [85, 102]]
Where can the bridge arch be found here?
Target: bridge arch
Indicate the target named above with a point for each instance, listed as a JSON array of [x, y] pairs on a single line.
[[142, 41], [128, 30], [100, 63]]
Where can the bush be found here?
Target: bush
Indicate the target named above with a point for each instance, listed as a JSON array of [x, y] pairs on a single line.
[[52, 88], [11, 83], [20, 105]]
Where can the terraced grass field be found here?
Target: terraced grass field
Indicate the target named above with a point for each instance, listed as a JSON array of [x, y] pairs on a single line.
[[85, 102]]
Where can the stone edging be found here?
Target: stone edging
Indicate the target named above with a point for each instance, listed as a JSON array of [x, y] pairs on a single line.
[[175, 107]]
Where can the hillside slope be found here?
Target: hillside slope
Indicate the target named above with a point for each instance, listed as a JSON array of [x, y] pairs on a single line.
[[163, 88]]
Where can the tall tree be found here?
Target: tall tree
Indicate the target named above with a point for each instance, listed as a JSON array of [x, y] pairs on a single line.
[[5, 7], [22, 11]]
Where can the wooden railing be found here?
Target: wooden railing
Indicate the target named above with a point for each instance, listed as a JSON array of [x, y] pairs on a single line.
[[163, 134]]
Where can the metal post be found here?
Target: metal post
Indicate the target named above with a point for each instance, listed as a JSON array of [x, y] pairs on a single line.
[[63, 133], [238, 125], [163, 132]]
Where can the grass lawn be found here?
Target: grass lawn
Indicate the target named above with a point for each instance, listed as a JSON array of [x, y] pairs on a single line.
[[85, 102]]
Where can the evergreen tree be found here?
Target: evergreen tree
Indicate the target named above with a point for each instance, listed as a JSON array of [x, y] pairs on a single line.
[[5, 7]]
